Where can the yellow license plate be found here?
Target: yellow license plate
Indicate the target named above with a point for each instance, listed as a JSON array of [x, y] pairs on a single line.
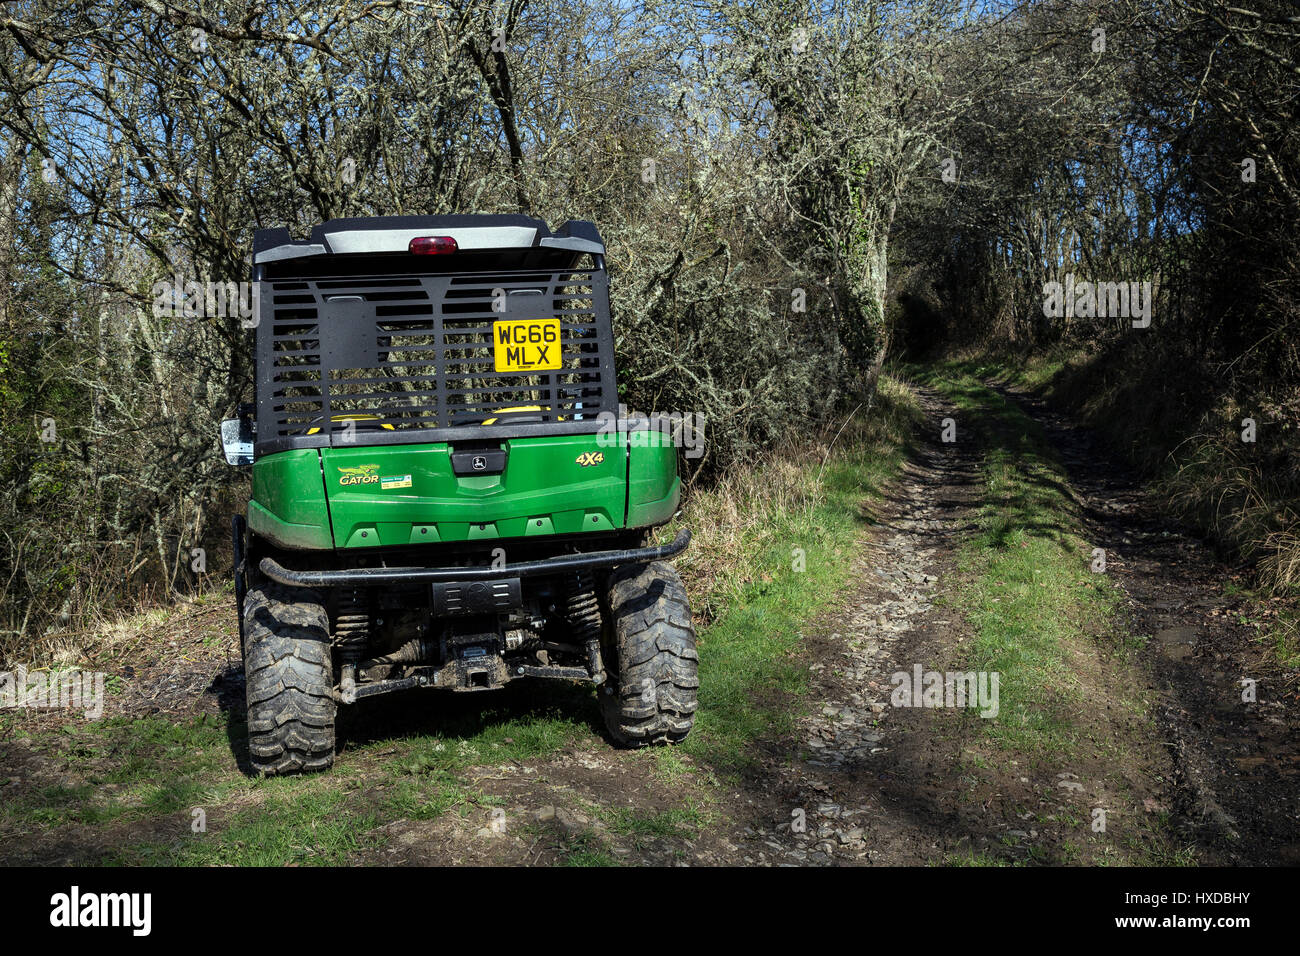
[[526, 345]]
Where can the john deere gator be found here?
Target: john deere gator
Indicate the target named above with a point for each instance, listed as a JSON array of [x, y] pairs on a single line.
[[444, 494]]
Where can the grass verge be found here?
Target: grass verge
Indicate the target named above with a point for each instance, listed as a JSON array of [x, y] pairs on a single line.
[[773, 550]]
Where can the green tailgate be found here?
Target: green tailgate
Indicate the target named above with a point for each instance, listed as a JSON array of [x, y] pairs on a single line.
[[370, 496], [408, 494]]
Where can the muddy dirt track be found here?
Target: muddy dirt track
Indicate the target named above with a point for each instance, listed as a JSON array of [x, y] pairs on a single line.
[[884, 785]]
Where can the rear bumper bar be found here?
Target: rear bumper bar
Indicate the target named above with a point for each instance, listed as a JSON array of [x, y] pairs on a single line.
[[564, 562]]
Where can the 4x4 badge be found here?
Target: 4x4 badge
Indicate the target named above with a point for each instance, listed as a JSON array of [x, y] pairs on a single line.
[[590, 458]]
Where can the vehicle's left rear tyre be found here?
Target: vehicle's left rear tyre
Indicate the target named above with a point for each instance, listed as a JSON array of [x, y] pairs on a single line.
[[288, 677]]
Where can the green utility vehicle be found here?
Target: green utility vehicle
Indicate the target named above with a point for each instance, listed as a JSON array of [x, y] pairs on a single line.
[[444, 492]]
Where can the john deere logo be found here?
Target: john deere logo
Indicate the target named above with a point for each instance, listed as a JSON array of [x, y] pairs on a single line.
[[588, 458], [359, 475], [479, 463]]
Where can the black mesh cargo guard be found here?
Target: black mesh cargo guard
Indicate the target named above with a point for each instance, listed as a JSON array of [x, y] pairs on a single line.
[[384, 347]]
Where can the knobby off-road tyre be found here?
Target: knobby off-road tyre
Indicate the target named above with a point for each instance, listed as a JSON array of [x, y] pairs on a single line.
[[288, 677], [653, 680]]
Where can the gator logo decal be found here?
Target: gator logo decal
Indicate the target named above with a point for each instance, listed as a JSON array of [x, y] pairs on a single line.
[[588, 458], [360, 475]]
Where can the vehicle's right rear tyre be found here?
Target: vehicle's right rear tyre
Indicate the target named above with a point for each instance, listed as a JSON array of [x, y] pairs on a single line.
[[288, 678], [651, 694]]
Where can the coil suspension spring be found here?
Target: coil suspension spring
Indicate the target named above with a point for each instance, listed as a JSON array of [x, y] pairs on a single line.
[[352, 628], [351, 634], [583, 614]]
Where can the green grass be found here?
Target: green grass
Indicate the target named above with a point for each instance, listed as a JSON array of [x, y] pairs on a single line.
[[1029, 371], [302, 825], [426, 797], [1034, 601], [1283, 639], [585, 849], [1277, 623], [650, 825], [128, 769]]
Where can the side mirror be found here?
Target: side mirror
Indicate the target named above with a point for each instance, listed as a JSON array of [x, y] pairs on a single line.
[[237, 441]]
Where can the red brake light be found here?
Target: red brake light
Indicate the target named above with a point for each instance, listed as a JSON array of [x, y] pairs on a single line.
[[431, 245]]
